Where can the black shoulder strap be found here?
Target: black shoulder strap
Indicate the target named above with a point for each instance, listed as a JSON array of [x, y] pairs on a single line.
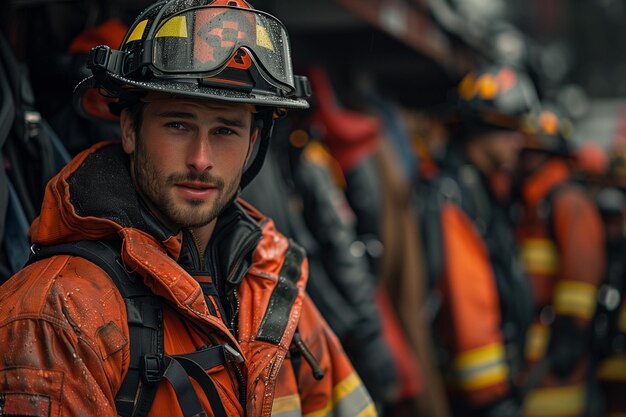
[[145, 322]]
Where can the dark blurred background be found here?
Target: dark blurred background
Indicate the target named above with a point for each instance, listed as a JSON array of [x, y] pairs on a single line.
[[413, 50]]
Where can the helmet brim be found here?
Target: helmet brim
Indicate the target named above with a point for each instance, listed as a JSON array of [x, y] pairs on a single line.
[[176, 87]]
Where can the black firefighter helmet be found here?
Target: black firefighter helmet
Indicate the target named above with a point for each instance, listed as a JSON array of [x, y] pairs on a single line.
[[492, 98], [221, 50]]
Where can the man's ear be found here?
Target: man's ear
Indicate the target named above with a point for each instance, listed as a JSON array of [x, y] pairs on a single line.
[[128, 132]]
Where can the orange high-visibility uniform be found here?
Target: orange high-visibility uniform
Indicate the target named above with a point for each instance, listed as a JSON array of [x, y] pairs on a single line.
[[485, 302], [562, 240], [471, 312]]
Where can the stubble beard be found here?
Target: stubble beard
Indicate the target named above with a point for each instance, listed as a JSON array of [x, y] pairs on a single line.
[[156, 188]]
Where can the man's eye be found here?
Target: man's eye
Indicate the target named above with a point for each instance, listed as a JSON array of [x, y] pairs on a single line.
[[176, 125], [224, 131]]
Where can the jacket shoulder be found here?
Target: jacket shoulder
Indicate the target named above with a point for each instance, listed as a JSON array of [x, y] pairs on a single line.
[[67, 291]]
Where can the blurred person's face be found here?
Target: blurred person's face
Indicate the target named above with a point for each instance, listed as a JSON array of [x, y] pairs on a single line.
[[187, 157], [498, 150]]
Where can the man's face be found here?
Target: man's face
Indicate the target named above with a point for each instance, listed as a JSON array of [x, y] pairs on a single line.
[[188, 156], [502, 148]]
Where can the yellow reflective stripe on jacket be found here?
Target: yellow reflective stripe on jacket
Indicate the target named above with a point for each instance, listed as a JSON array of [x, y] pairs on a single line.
[[540, 256], [613, 368], [349, 398], [288, 406], [480, 368], [575, 298], [553, 402], [537, 341]]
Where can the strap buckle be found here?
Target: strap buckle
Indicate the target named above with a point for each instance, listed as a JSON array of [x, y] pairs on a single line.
[[104, 59], [152, 368], [232, 353], [302, 87]]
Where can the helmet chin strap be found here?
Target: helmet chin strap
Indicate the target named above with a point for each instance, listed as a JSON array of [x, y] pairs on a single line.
[[266, 123]]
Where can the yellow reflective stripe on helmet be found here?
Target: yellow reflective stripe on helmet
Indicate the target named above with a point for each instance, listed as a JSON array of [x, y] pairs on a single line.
[[480, 368], [288, 406], [263, 38], [553, 402], [537, 341], [349, 398], [175, 27], [575, 298], [540, 256], [613, 368], [137, 32]]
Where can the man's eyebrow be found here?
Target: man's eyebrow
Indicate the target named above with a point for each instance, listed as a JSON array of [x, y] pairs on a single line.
[[231, 122], [176, 115], [236, 122]]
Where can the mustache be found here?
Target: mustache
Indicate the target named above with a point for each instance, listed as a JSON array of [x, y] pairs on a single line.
[[204, 177]]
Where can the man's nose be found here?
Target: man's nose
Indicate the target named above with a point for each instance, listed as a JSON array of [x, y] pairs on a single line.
[[199, 154]]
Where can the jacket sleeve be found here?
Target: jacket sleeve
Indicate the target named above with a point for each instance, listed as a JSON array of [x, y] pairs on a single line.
[[61, 354], [470, 321], [579, 236], [340, 393]]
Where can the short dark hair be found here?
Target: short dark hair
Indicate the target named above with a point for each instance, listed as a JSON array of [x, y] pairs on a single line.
[[135, 111]]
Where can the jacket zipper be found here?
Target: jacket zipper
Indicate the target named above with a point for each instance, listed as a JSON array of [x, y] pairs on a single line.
[[234, 299], [235, 366], [198, 249]]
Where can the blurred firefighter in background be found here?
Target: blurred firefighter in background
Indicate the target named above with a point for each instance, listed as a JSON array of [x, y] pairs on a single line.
[[562, 239], [471, 249], [609, 335]]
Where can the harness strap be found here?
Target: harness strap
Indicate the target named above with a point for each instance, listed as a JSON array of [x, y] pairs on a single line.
[[187, 399], [138, 389], [198, 373]]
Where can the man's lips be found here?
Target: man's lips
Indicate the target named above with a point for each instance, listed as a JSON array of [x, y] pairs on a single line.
[[196, 190]]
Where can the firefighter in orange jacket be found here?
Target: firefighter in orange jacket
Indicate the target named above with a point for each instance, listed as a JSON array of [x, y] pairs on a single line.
[[609, 340], [485, 300], [235, 334], [562, 238]]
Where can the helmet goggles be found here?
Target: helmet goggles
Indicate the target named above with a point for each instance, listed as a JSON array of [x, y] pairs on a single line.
[[200, 42]]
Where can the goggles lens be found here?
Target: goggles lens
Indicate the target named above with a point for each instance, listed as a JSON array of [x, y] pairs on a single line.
[[204, 40]]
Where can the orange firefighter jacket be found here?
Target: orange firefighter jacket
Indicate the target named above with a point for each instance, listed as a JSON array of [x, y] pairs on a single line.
[[562, 239], [471, 319], [63, 324], [478, 263]]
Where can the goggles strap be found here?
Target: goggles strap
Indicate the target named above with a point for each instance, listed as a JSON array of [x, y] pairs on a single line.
[[104, 59]]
